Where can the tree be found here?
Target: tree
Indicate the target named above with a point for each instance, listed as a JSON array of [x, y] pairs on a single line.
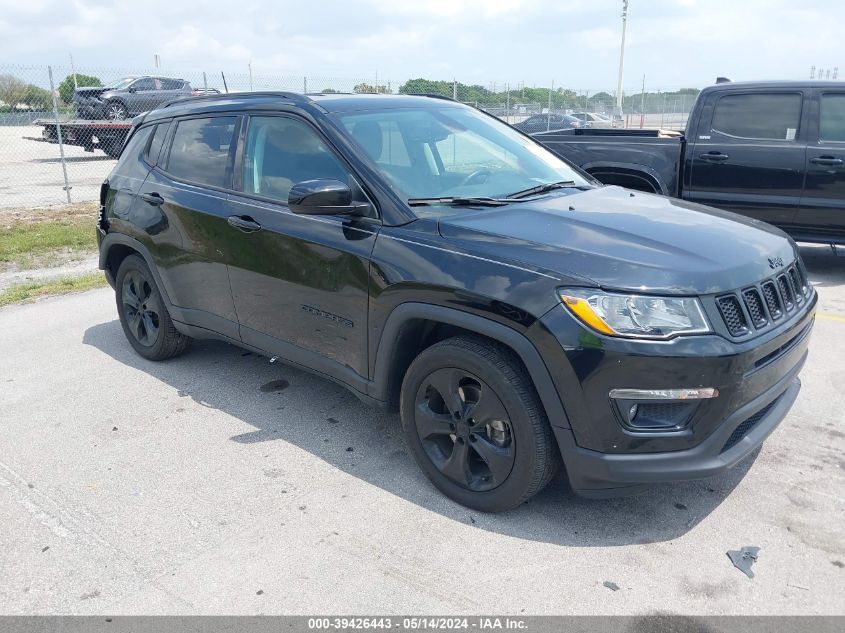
[[67, 86], [37, 98], [12, 90], [329, 91]]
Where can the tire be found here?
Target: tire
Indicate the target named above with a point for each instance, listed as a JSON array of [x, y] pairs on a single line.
[[143, 313], [116, 110], [475, 426]]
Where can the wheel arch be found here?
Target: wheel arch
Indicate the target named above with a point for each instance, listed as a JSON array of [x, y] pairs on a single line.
[[412, 327], [116, 247], [632, 176]]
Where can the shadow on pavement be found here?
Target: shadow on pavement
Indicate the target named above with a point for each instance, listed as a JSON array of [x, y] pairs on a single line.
[[316, 415]]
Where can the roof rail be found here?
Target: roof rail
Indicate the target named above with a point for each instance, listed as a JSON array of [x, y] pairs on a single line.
[[293, 96]]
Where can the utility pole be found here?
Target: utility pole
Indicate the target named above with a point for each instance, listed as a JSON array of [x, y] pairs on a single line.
[[642, 100], [621, 57], [73, 70]]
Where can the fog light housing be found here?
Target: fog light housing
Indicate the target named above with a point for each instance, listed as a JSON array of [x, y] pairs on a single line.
[[658, 410], [655, 416]]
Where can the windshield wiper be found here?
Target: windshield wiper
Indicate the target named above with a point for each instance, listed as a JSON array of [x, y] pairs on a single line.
[[548, 186], [459, 201]]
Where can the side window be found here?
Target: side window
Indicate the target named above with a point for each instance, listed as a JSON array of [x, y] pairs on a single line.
[[157, 142], [758, 116], [171, 84], [281, 152], [145, 83], [201, 151], [832, 118]]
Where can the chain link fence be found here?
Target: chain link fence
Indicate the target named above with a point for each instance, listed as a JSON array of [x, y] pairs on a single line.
[[60, 127]]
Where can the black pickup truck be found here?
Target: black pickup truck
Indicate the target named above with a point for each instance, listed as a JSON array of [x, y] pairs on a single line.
[[769, 150]]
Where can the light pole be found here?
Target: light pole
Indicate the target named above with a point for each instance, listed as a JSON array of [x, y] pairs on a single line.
[[621, 58]]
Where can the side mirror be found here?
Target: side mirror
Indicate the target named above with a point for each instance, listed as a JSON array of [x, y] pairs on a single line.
[[324, 197]]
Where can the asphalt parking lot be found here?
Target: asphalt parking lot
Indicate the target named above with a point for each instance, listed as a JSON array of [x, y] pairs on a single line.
[[217, 483]]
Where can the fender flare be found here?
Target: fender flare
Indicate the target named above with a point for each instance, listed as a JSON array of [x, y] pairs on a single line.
[[114, 239], [516, 341]]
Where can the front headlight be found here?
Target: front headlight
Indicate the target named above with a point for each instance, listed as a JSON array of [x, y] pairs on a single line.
[[636, 316]]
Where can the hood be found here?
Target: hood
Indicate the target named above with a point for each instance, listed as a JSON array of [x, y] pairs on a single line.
[[626, 240], [90, 91]]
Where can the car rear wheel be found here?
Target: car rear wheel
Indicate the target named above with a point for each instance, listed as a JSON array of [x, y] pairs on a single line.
[[116, 111], [474, 424], [143, 314]]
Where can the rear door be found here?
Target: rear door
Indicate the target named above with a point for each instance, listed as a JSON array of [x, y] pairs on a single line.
[[748, 154], [822, 208], [186, 198]]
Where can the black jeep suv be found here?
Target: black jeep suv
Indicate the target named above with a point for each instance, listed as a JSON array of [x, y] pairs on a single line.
[[431, 258]]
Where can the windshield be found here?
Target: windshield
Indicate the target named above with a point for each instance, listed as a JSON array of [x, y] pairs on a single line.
[[453, 152], [120, 84]]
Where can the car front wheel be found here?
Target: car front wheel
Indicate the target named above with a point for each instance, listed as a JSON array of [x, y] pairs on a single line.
[[474, 424]]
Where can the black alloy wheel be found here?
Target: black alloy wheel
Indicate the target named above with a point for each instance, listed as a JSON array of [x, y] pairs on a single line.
[[143, 312], [475, 425], [141, 308], [464, 429]]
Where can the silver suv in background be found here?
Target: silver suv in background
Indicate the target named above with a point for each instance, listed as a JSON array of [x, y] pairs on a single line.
[[128, 97]]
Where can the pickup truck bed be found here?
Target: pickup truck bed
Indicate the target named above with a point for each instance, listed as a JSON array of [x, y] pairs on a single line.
[[647, 160]]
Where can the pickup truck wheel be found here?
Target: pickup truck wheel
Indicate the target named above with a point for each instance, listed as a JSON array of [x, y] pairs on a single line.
[[116, 111], [143, 314], [474, 424]]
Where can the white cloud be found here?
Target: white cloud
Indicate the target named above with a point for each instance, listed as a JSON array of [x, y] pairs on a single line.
[[675, 43]]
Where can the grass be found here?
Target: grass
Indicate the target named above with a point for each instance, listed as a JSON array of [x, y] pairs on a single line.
[[65, 285], [23, 244]]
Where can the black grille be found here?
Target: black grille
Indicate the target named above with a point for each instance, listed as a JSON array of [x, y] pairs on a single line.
[[786, 293], [802, 275], [796, 285], [732, 314], [745, 427], [755, 307], [772, 300]]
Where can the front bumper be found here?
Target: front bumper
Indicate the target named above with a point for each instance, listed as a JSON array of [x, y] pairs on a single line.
[[90, 109], [757, 381], [594, 474]]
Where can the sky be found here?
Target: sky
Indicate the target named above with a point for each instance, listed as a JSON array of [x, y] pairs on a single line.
[[573, 43]]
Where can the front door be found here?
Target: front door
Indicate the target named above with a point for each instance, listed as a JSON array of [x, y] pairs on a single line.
[[748, 157], [300, 283], [822, 209]]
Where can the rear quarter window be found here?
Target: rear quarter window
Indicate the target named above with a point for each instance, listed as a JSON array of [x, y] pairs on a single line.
[[760, 116], [202, 151]]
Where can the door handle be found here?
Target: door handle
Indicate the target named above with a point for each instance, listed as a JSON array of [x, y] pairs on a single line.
[[152, 198], [826, 160], [714, 156], [244, 223]]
